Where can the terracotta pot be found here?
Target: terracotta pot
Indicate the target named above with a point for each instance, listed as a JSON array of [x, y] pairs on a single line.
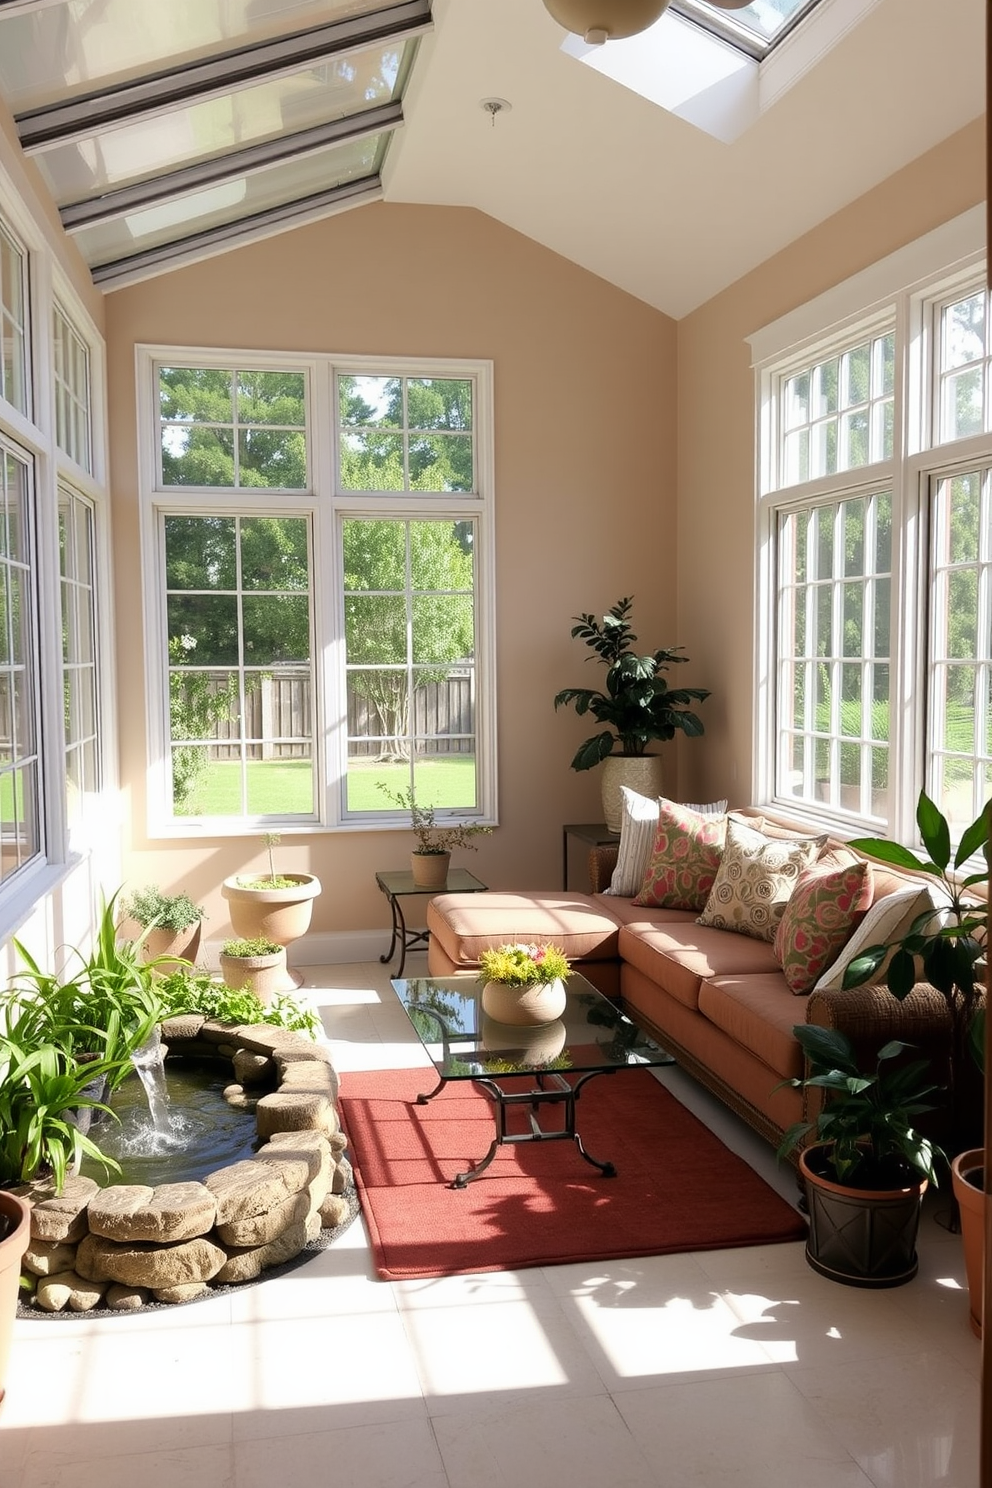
[[538, 1003], [282, 915], [971, 1206], [263, 975], [641, 772], [430, 870], [173, 945], [15, 1233], [860, 1237]]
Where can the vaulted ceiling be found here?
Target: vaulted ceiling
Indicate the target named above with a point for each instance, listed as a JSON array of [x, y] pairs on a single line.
[[167, 132]]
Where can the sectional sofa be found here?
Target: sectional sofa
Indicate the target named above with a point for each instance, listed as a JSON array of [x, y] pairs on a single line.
[[718, 1000]]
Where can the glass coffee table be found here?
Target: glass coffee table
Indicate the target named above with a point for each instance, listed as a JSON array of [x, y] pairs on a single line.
[[592, 1037]]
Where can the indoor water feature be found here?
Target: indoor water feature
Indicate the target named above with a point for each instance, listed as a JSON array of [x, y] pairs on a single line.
[[173, 1123]]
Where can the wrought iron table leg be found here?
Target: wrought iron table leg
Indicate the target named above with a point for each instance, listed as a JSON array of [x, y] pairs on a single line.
[[397, 923], [428, 1095]]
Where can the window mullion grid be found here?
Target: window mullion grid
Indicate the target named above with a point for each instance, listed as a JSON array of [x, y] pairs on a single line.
[[983, 679], [242, 691], [785, 651]]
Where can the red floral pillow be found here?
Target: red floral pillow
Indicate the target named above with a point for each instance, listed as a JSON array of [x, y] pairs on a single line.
[[824, 910], [686, 855]]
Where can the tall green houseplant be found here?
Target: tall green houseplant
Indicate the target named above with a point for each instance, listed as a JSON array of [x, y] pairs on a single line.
[[636, 705]]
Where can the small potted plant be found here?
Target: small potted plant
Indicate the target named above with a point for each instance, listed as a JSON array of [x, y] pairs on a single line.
[[257, 965], [273, 906], [431, 858], [523, 984], [866, 1173], [171, 924], [637, 707]]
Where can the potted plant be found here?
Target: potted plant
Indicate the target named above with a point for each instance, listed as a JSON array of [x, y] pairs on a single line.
[[271, 906], [946, 943], [523, 984], [15, 1235], [637, 707], [430, 859], [171, 924], [257, 965], [866, 1174], [968, 1183]]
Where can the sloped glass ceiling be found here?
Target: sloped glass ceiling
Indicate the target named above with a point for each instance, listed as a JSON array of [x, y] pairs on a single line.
[[167, 128]]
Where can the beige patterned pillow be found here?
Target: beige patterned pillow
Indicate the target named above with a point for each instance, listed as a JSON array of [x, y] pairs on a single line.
[[755, 880]]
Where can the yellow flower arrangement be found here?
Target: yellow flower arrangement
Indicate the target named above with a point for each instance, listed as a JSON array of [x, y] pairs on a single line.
[[523, 965]]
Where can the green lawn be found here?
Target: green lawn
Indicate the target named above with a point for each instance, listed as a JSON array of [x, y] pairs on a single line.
[[285, 787]]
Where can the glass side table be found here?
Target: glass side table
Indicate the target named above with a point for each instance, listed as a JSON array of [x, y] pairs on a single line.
[[399, 885]]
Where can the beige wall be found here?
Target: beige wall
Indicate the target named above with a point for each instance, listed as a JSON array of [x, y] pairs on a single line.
[[585, 491], [716, 434]]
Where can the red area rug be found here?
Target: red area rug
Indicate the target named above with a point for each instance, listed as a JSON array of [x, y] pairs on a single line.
[[539, 1203]]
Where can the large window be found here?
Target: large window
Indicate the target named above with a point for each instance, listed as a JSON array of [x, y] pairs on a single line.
[[14, 380], [77, 565], [20, 822], [72, 390], [323, 551], [875, 562]]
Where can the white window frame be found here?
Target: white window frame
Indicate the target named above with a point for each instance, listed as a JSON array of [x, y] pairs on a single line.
[[325, 504], [33, 433], [908, 287]]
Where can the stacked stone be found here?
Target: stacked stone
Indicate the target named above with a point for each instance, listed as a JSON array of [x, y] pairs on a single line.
[[125, 1245]]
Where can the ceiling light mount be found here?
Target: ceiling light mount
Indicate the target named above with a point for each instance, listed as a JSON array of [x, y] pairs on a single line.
[[599, 21], [494, 106]]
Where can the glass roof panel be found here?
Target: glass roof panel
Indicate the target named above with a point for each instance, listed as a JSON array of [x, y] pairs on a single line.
[[65, 50], [210, 129], [229, 201], [761, 23]]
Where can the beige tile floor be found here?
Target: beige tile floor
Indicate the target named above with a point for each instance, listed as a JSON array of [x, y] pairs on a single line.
[[725, 1369]]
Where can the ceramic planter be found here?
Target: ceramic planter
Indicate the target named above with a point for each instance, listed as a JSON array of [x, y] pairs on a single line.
[[15, 1232], [537, 1003], [282, 915], [264, 975], [860, 1237], [535, 1045], [967, 1177], [430, 870]]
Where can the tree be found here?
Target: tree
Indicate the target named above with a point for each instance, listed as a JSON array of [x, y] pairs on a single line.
[[439, 621]]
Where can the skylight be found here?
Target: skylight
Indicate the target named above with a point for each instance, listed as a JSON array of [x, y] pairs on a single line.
[[755, 29], [164, 132]]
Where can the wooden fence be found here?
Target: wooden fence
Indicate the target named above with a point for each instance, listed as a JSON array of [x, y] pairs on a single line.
[[279, 709]]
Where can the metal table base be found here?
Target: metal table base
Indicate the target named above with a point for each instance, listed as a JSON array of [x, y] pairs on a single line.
[[552, 1090]]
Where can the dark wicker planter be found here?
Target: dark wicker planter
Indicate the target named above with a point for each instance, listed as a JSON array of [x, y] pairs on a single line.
[[860, 1237]]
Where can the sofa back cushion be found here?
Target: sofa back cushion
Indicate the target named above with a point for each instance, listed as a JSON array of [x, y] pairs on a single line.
[[755, 880], [685, 858], [826, 906]]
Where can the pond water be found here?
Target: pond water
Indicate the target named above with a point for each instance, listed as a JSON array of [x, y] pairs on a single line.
[[199, 1133]]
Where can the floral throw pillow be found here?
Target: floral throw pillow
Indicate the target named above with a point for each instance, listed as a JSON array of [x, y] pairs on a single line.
[[684, 860], [827, 906], [638, 829], [756, 879]]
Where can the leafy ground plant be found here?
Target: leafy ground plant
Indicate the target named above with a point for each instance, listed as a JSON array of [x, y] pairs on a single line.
[[40, 1090], [185, 992]]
